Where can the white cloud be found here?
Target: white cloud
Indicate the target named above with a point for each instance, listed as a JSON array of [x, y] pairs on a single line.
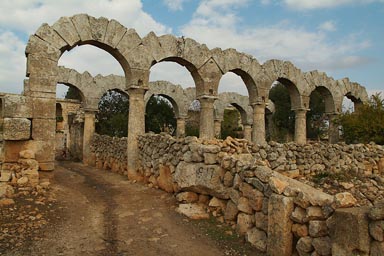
[[306, 49], [317, 4], [24, 18], [12, 62], [174, 5], [172, 72], [328, 26]]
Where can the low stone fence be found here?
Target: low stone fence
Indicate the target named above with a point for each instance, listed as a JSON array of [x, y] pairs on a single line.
[[110, 153], [234, 182]]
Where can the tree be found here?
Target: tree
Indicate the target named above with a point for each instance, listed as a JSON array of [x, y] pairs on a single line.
[[366, 124], [159, 116], [230, 125], [283, 117], [317, 124], [112, 118], [73, 93]]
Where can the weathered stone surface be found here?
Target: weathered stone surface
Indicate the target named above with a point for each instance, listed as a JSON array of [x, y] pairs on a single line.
[[16, 129], [348, 230], [377, 248], [277, 185], [304, 245], [257, 238], [6, 202], [23, 181], [376, 230], [16, 106], [243, 205], [27, 154], [65, 28], [300, 230], [6, 190], [32, 175], [5, 175], [218, 203], [231, 211], [193, 211], [201, 178], [165, 180], [280, 209], [344, 200], [261, 221], [187, 197], [299, 215], [314, 213], [377, 211], [244, 222], [322, 246], [317, 228]]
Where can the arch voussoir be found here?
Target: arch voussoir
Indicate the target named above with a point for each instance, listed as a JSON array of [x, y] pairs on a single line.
[[49, 35], [114, 33], [65, 28], [81, 23]]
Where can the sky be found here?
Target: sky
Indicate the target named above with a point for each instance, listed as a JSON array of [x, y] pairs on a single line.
[[344, 38]]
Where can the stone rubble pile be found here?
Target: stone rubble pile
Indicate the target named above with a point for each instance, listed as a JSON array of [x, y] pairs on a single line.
[[21, 178], [251, 188]]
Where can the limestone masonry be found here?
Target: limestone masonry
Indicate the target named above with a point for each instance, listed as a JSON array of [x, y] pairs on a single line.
[[298, 198]]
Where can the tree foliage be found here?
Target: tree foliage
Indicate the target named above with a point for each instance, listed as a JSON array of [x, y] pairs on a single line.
[[366, 124], [283, 117], [317, 122], [112, 118], [73, 93], [230, 125], [160, 116]]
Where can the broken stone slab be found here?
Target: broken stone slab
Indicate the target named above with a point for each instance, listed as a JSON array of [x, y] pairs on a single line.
[[348, 231], [193, 211], [201, 178], [16, 129], [5, 175]]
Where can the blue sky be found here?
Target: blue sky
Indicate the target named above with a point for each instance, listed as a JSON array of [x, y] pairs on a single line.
[[344, 38]]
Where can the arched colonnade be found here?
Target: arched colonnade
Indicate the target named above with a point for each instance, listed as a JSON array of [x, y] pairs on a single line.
[[137, 55]]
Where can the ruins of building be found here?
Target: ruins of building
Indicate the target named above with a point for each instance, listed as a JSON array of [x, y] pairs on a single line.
[[30, 121]]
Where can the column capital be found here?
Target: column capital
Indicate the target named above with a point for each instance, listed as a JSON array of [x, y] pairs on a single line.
[[207, 97], [136, 90], [90, 110]]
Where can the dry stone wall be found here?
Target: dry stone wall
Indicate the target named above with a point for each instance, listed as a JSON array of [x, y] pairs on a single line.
[[234, 181]]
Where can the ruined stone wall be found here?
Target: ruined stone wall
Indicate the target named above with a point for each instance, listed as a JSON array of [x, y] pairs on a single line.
[[110, 153], [234, 182]]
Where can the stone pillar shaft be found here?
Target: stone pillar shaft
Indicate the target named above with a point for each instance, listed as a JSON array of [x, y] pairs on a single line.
[[207, 117], [258, 131], [217, 124], [136, 126], [180, 129], [333, 130], [89, 131], [301, 126], [248, 132]]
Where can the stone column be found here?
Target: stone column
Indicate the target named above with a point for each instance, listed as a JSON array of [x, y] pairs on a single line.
[[217, 124], [333, 129], [248, 132], [258, 131], [136, 126], [207, 117], [89, 131], [301, 126], [180, 127]]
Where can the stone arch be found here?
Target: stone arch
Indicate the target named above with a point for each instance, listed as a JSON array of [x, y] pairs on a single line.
[[199, 83], [241, 64], [45, 48], [328, 98], [174, 104], [353, 91]]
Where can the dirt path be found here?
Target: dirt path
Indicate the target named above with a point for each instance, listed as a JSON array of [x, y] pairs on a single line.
[[102, 213]]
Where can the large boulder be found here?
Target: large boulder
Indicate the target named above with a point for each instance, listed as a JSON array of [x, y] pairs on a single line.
[[201, 178]]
